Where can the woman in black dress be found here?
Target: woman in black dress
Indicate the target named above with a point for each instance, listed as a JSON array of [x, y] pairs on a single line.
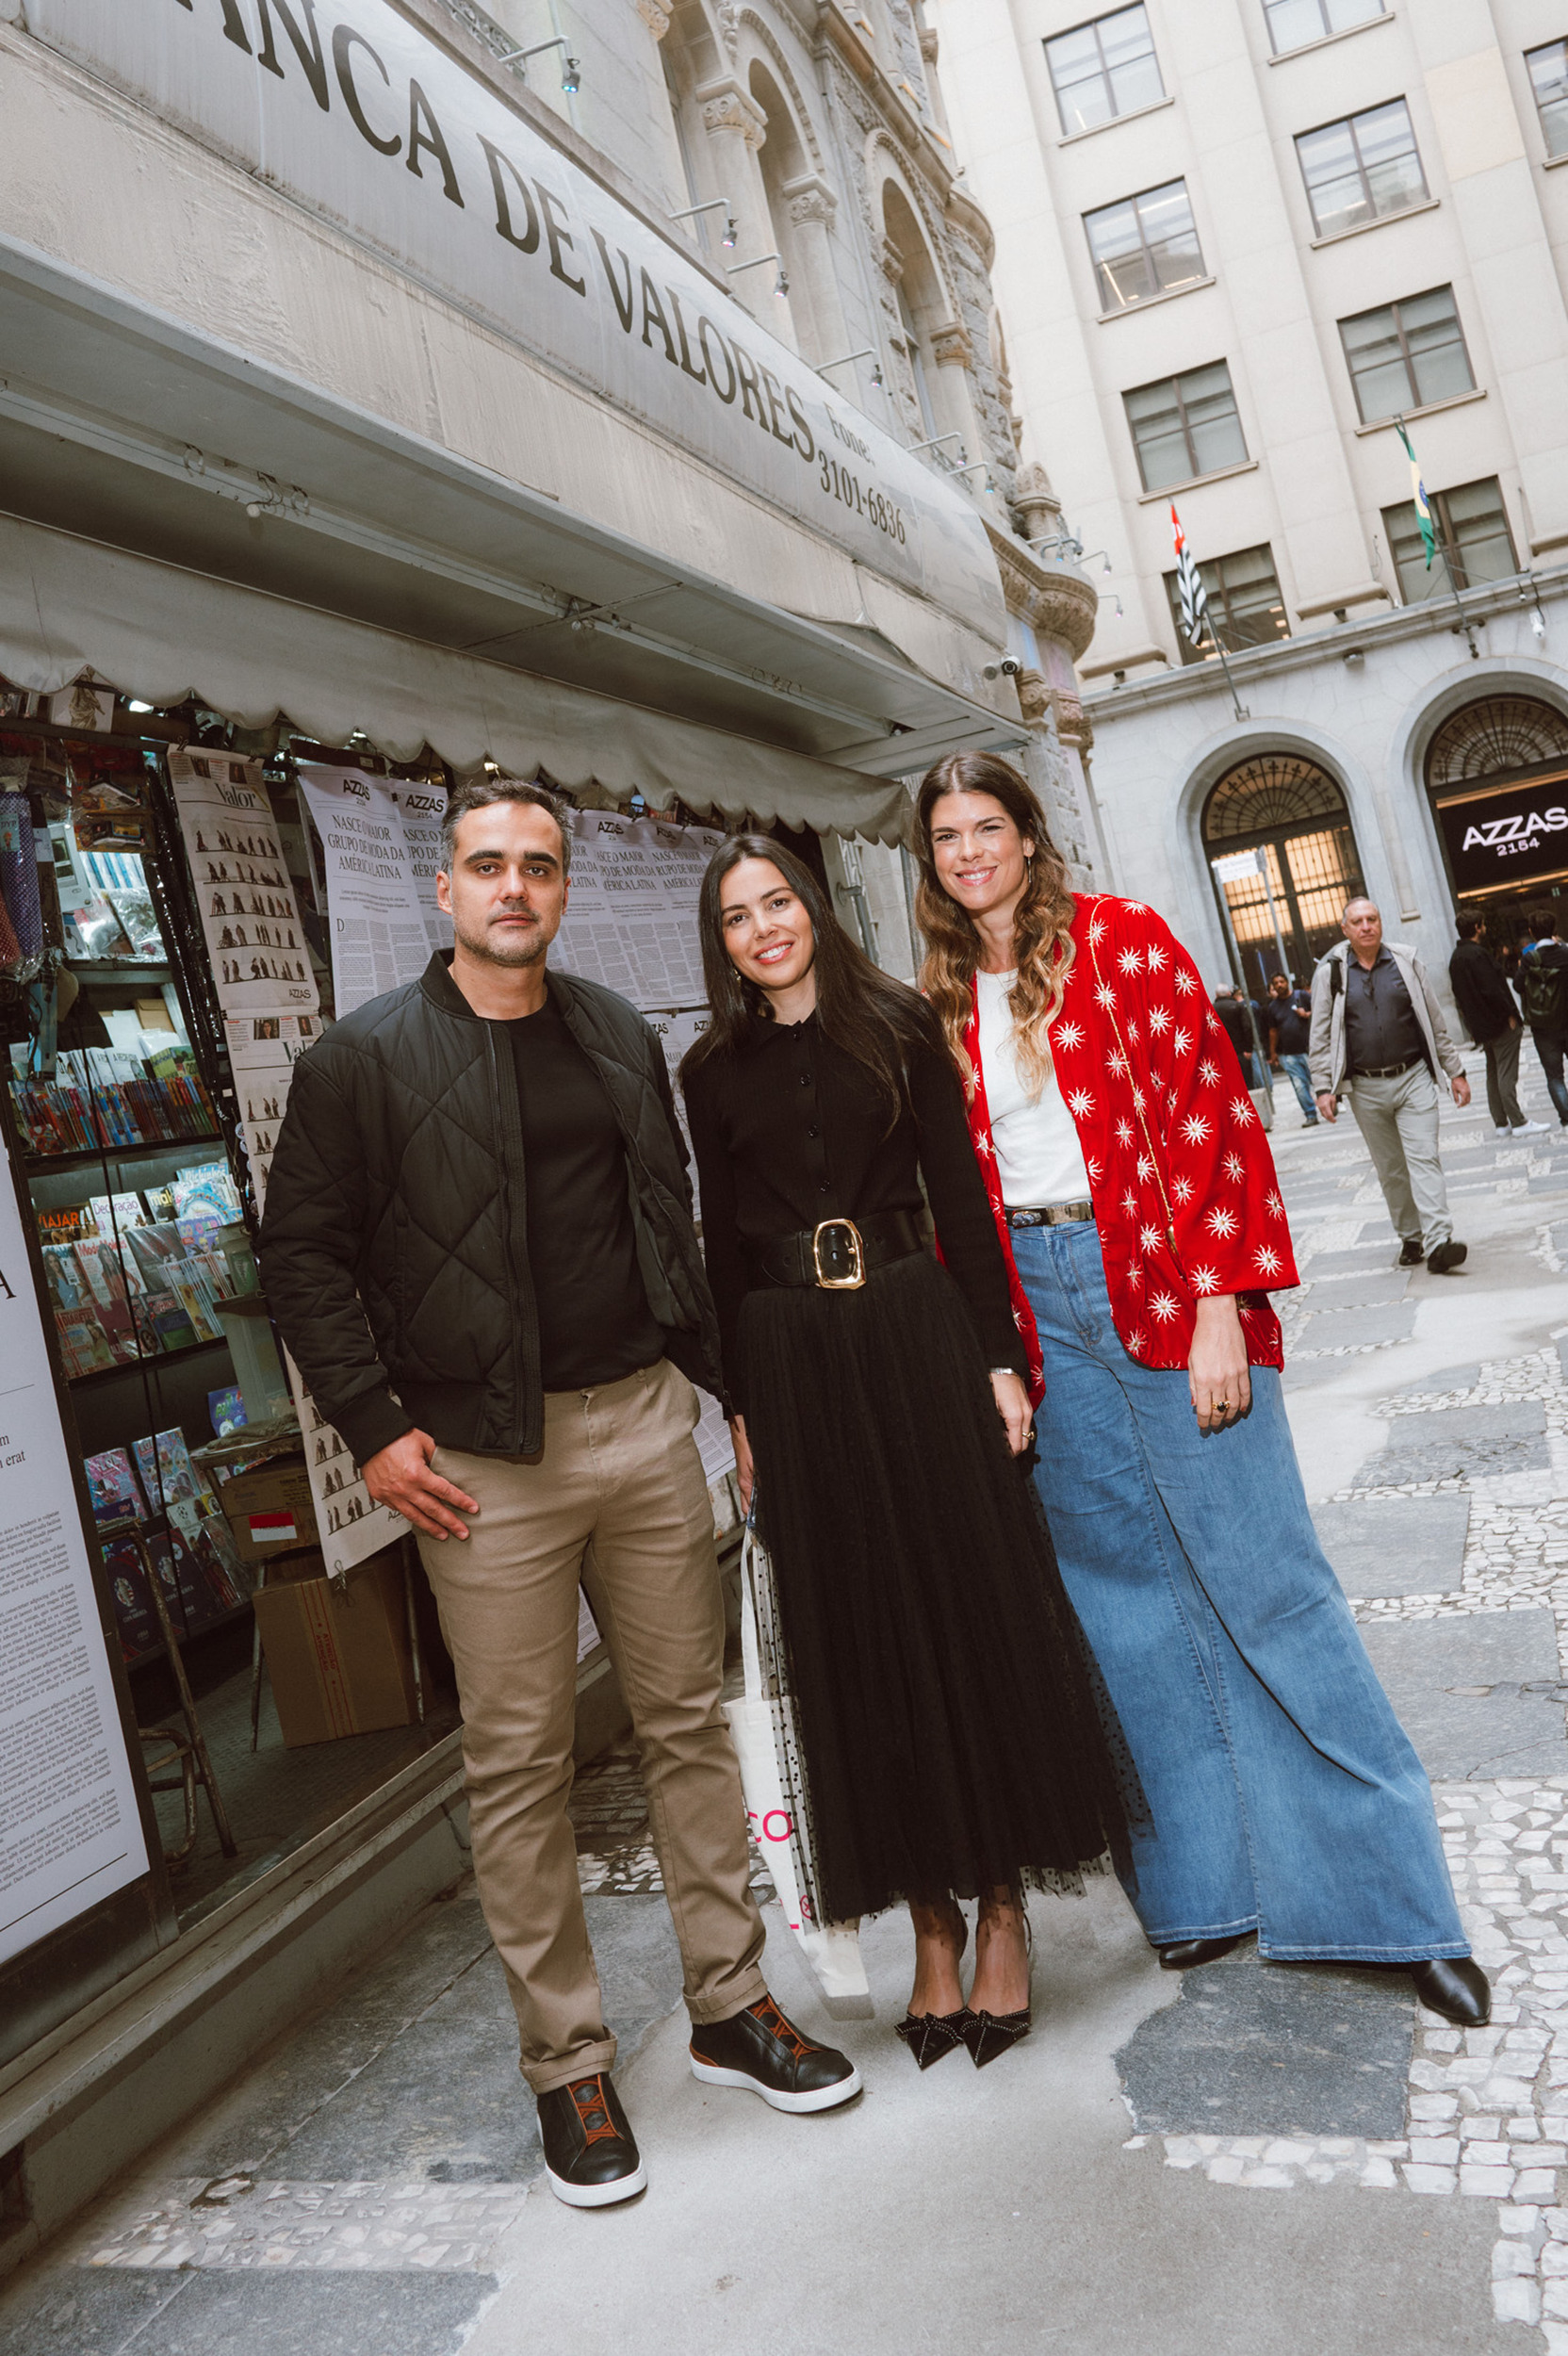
[[954, 1738]]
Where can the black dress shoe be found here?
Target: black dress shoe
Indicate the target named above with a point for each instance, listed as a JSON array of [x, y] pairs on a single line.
[[932, 2035], [1183, 1953], [989, 2033], [1457, 1988], [1443, 1256], [591, 2155], [762, 2051], [1410, 1253]]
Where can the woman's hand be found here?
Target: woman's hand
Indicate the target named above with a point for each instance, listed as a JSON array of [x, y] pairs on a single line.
[[1218, 1374], [1012, 1405], [745, 1472]]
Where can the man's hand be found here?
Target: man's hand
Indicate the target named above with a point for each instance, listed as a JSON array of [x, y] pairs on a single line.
[[1012, 1405], [1218, 1373], [1328, 1105], [401, 1477], [745, 1471], [1462, 1091]]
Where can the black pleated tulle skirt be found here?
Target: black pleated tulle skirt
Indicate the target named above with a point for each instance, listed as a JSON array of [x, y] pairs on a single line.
[[952, 1733]]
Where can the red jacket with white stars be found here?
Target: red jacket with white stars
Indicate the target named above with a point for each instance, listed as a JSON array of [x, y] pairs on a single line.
[[1185, 1198]]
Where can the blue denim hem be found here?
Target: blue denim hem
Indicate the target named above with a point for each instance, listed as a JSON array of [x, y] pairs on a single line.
[[1239, 1929], [1445, 1951]]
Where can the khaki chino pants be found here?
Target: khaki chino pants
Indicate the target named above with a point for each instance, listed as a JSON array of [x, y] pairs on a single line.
[[1399, 1120], [619, 1488]]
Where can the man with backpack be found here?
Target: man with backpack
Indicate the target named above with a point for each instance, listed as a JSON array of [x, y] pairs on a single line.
[[1487, 1008], [1543, 990]]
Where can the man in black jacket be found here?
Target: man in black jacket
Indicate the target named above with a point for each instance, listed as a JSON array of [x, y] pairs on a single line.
[[1489, 1014], [1544, 994], [479, 1246]]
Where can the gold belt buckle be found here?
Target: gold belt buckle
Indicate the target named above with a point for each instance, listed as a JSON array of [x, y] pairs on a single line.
[[856, 1277]]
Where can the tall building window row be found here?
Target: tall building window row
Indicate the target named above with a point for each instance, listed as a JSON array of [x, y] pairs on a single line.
[[1292, 24], [1548, 72], [1473, 541], [1362, 169], [1146, 245], [1246, 608], [1185, 425], [1103, 69], [1406, 354]]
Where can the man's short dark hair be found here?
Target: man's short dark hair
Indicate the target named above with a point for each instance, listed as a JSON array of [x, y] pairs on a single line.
[[1545, 925], [483, 792], [1467, 927]]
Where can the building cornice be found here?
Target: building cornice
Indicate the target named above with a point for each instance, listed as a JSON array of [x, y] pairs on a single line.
[[1056, 601], [1191, 683]]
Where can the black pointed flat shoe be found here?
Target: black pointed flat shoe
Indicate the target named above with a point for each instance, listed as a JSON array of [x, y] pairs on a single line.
[[932, 2035], [1457, 1988], [1183, 1955], [990, 2034]]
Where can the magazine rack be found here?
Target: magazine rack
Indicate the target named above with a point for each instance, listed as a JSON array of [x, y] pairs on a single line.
[[189, 1750]]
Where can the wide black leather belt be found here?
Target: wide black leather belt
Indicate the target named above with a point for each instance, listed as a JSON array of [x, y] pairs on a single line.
[[1388, 1070], [838, 1254], [1050, 1214]]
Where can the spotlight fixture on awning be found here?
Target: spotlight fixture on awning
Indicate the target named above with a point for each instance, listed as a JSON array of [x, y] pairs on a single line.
[[714, 204], [571, 67], [865, 352], [781, 285]]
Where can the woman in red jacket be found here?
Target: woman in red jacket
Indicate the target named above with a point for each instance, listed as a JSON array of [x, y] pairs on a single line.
[[1135, 1196]]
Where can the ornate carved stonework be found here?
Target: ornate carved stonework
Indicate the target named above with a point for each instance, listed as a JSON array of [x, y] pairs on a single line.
[[1073, 725], [654, 17], [809, 197], [1054, 600], [726, 107], [730, 26], [1034, 696], [928, 44], [893, 261], [951, 345], [1036, 504]]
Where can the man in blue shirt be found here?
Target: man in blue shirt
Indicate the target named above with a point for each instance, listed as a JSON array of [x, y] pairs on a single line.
[[1288, 1018]]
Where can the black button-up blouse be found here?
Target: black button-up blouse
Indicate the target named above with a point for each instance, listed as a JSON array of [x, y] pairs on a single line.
[[789, 1130]]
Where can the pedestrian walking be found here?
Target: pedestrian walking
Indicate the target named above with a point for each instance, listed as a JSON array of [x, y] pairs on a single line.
[[948, 1728], [1235, 1014], [1490, 1015], [479, 1246], [1377, 1031], [1543, 994], [1284, 1796], [1288, 1018]]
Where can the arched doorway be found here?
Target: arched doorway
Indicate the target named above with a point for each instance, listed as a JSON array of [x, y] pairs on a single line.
[[1277, 837], [1497, 779]]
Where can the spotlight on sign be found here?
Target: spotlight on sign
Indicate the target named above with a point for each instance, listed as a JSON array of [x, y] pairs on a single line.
[[731, 230], [571, 75], [781, 284]]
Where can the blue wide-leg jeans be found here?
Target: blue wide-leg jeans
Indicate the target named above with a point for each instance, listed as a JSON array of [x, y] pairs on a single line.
[[1284, 1794]]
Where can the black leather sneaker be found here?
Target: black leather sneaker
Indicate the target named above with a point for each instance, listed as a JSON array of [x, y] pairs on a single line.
[[591, 2155], [762, 2051]]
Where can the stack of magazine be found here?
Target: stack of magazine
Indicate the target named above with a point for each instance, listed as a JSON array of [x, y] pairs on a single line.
[[101, 1096], [132, 1275], [156, 1484]]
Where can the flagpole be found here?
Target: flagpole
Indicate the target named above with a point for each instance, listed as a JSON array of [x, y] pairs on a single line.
[[1466, 624], [1241, 711]]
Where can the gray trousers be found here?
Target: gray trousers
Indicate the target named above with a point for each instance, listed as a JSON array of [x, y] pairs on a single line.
[[1399, 1120], [1502, 1078]]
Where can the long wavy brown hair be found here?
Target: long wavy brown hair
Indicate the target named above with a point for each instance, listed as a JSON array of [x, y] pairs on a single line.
[[1043, 945]]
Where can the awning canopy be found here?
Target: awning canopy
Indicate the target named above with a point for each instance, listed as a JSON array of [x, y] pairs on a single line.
[[161, 632]]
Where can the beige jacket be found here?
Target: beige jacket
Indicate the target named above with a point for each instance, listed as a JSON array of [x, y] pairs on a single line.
[[1326, 1048]]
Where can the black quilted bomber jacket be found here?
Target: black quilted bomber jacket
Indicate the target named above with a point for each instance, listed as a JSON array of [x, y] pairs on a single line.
[[394, 1252]]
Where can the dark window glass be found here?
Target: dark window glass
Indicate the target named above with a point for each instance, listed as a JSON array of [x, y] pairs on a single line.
[[1472, 529], [1104, 68], [1293, 23], [1406, 355], [1360, 168], [1144, 246], [1245, 605], [1548, 67], [1185, 425]]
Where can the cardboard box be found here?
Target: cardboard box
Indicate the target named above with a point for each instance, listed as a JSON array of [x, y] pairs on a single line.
[[337, 1653], [271, 1510]]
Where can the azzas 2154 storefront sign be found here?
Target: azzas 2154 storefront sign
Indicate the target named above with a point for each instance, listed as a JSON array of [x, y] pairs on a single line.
[[349, 106], [1515, 834]]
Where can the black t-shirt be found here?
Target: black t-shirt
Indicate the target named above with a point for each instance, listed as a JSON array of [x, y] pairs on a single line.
[[1290, 1019], [595, 1323]]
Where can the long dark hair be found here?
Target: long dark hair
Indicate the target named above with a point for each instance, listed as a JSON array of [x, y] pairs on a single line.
[[859, 1008], [1042, 924]]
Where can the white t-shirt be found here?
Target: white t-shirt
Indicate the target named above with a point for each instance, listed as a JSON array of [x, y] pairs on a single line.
[[1039, 1157]]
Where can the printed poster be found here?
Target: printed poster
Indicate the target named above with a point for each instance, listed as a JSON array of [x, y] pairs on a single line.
[[631, 918], [348, 1524], [376, 916], [70, 1833], [262, 1049], [249, 916]]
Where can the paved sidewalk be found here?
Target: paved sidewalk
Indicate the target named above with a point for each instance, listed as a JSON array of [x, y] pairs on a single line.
[[1251, 2159]]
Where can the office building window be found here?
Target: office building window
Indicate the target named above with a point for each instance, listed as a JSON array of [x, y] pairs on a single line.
[[1548, 68], [1472, 529], [1144, 246], [1292, 23], [1360, 168], [1406, 355], [1244, 601], [1184, 426], [1104, 68]]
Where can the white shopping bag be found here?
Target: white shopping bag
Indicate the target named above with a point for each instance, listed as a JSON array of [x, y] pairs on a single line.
[[759, 1726]]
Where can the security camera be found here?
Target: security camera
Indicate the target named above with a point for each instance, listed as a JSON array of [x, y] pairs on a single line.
[[1007, 668]]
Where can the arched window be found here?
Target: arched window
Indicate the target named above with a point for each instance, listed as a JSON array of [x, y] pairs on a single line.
[[922, 309], [1278, 835], [1494, 736], [782, 161]]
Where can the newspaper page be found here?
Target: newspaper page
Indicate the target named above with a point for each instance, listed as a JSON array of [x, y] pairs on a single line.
[[348, 1523], [375, 916], [249, 916], [262, 1049], [631, 917], [423, 808], [70, 1833]]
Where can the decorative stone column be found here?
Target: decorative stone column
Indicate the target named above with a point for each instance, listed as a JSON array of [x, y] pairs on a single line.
[[1061, 607], [736, 128], [815, 297]]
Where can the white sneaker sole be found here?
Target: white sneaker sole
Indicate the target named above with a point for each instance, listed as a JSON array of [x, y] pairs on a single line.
[[824, 2099], [598, 2196]]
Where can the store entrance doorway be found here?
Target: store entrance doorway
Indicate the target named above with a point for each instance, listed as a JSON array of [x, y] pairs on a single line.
[[1498, 780], [1293, 814]]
